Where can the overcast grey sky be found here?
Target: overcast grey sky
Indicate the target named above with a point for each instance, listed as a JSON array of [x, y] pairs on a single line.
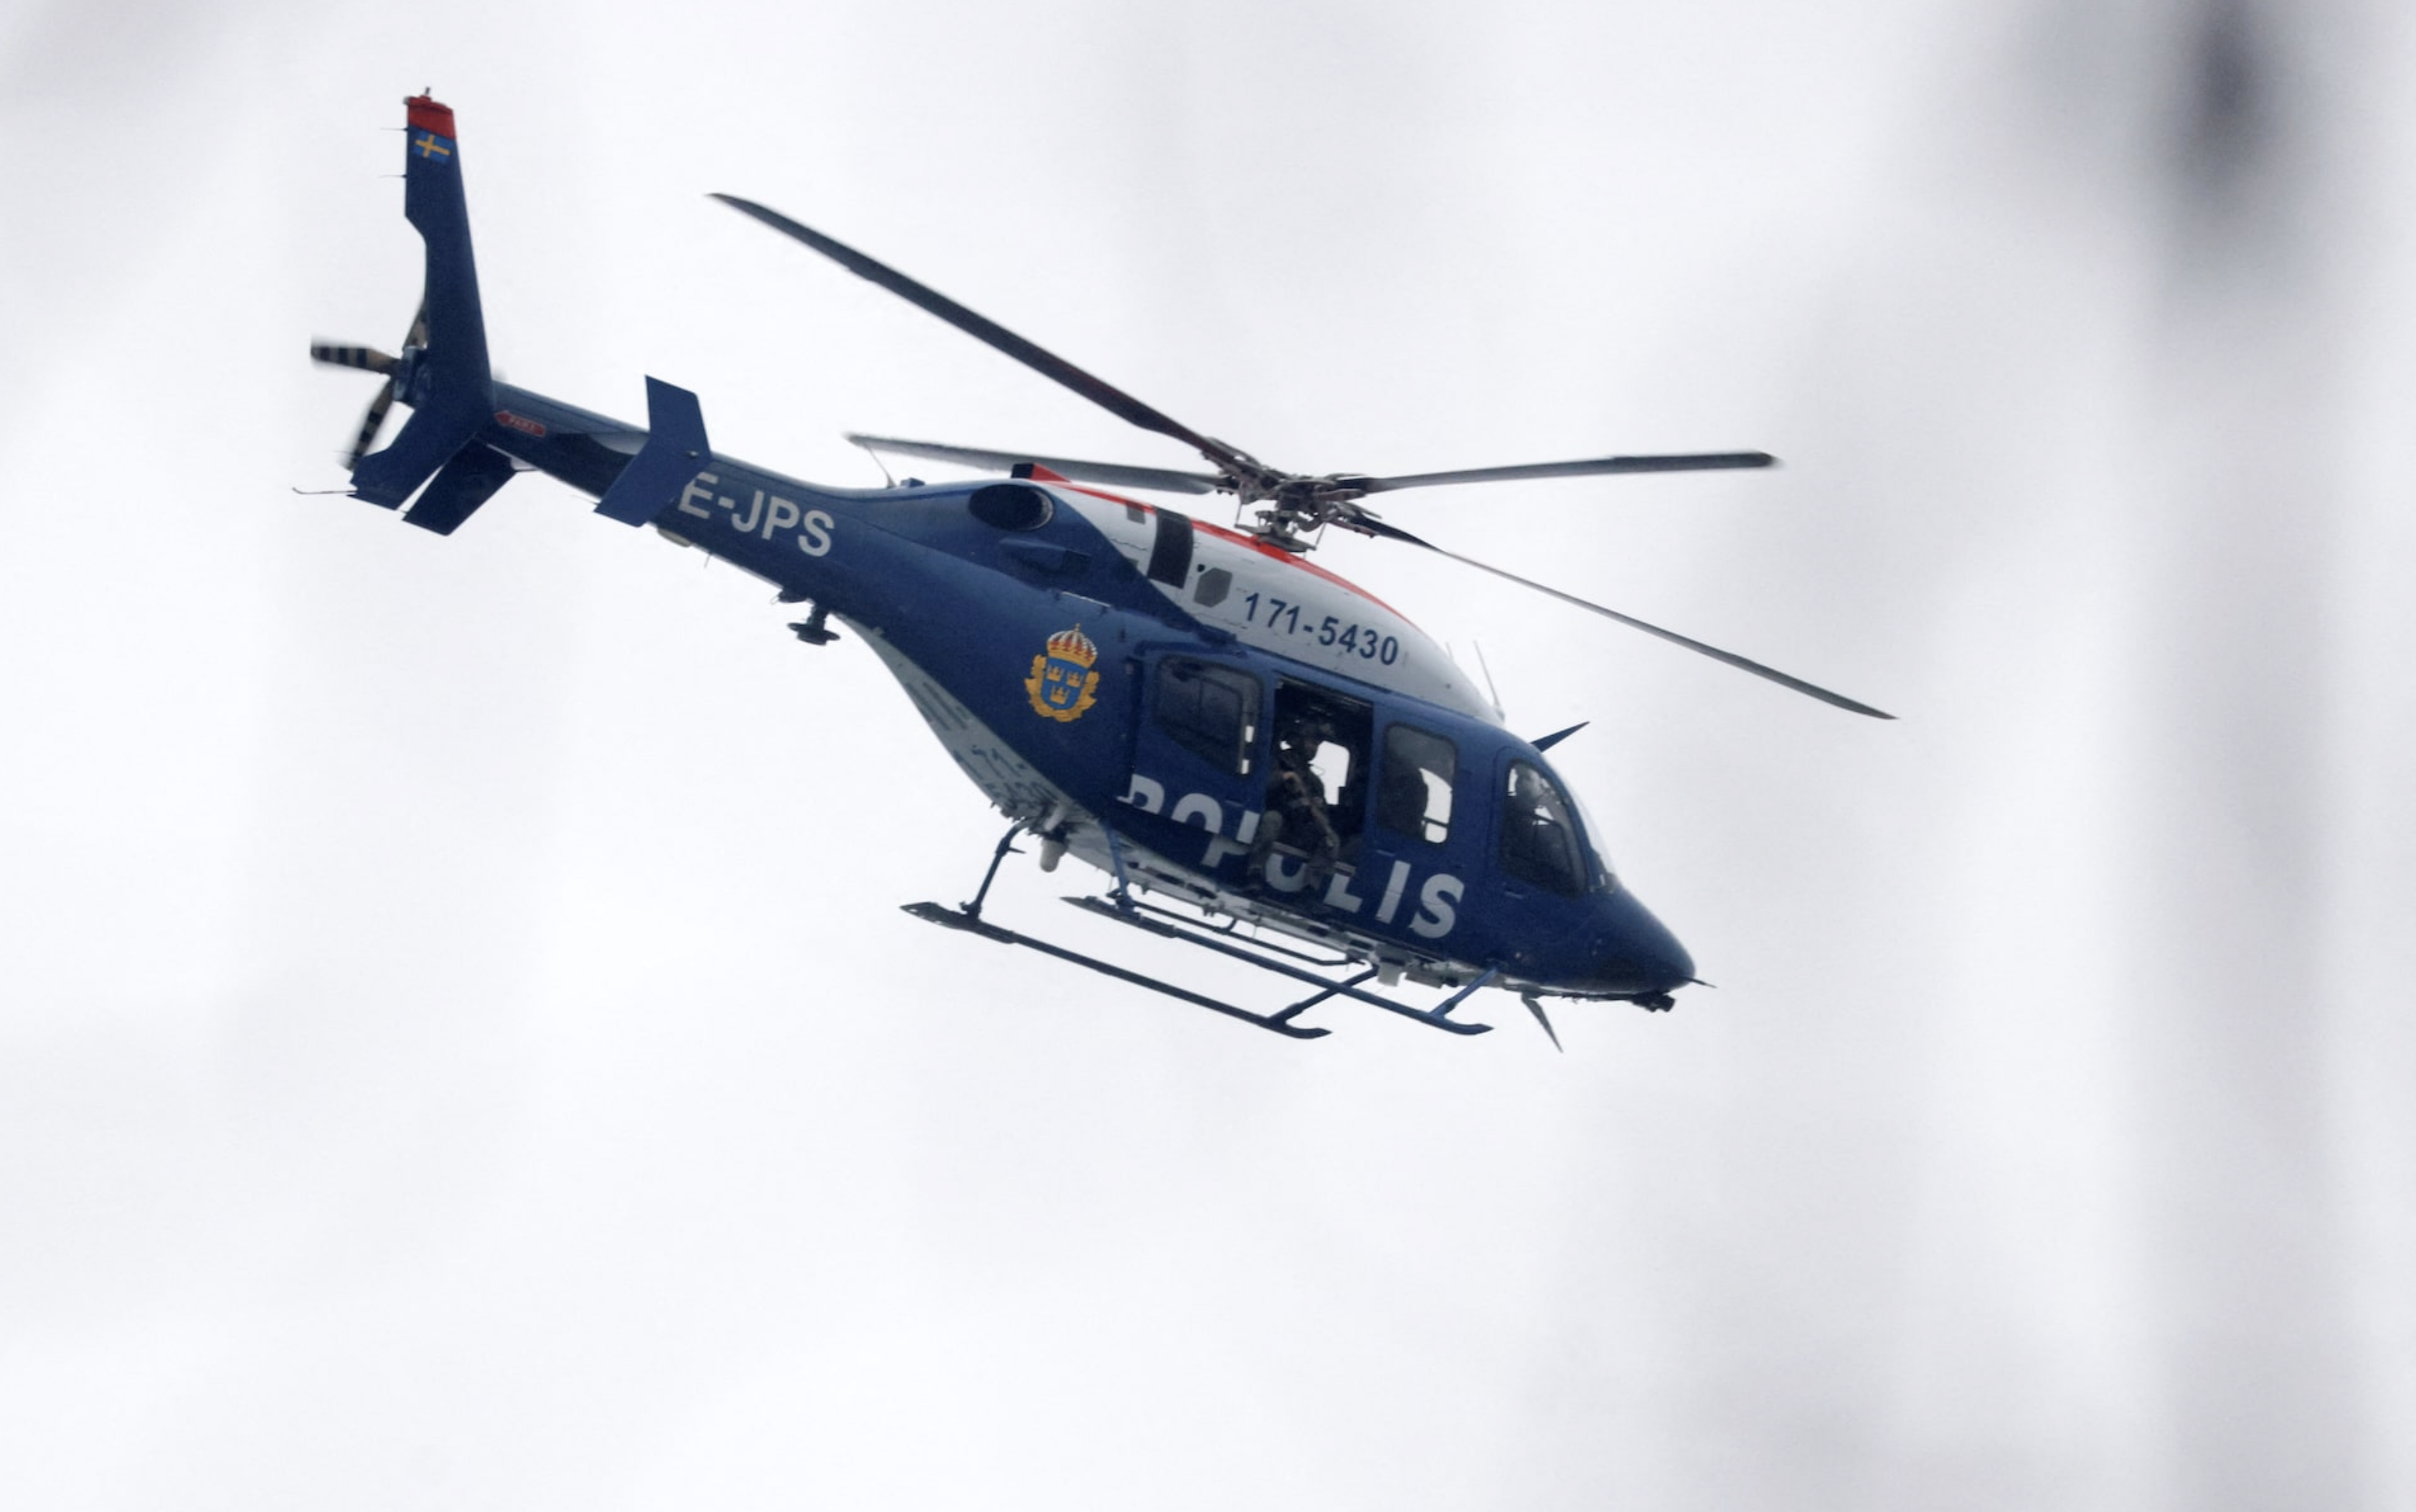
[[457, 1043]]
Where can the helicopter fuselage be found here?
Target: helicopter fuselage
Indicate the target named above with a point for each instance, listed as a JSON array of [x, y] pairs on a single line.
[[1196, 711], [1130, 682]]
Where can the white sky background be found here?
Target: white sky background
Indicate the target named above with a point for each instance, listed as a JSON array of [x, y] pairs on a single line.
[[457, 1043]]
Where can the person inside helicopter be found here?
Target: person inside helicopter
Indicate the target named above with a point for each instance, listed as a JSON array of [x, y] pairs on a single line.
[[1296, 809]]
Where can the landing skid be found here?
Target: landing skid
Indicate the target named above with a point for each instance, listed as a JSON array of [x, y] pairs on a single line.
[[958, 919], [1124, 909]]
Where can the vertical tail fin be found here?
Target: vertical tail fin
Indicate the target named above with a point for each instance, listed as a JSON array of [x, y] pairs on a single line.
[[447, 382]]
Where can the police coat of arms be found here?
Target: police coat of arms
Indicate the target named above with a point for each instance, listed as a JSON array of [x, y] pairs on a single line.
[[1062, 686]]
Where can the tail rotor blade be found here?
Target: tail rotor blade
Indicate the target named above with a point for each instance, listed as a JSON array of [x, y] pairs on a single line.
[[370, 424], [366, 358], [369, 359]]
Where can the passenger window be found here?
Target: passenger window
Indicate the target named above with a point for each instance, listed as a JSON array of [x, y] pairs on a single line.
[[1211, 711], [1414, 795], [1539, 841]]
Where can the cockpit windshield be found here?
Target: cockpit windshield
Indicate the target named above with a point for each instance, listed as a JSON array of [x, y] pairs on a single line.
[[1541, 843], [1590, 842]]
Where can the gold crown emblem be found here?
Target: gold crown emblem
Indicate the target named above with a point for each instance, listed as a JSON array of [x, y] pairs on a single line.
[[1074, 646]]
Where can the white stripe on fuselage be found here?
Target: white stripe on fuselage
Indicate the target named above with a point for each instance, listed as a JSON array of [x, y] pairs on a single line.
[[1277, 602]]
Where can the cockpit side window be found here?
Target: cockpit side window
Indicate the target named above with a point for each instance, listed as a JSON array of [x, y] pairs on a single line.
[[1413, 790], [1539, 839], [1211, 711]]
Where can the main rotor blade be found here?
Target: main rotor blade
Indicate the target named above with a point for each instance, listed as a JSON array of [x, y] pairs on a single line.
[[1690, 462], [1115, 472], [1378, 527], [1039, 359]]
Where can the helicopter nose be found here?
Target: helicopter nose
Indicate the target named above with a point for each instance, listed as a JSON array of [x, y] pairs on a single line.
[[1643, 957]]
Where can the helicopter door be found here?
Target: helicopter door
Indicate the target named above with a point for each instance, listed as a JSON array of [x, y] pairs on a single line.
[[1199, 750], [1421, 833]]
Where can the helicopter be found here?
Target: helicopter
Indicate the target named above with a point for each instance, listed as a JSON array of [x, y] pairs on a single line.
[[1264, 760]]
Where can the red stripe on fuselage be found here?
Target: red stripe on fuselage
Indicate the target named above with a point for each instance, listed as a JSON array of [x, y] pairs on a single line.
[[1295, 560]]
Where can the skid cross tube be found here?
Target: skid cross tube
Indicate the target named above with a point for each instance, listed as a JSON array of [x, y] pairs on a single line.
[[1433, 1018], [1311, 1001], [1231, 928]]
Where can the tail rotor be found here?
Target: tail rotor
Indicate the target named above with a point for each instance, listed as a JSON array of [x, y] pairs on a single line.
[[394, 370]]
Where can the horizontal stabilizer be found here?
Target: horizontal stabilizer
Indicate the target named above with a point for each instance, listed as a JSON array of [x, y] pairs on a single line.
[[469, 480], [438, 429], [675, 451]]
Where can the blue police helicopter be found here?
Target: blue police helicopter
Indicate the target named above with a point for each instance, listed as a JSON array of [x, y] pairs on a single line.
[[1266, 761]]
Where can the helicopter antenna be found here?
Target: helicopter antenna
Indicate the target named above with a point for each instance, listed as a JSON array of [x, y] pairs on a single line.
[[1487, 671], [1535, 1006], [875, 455]]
